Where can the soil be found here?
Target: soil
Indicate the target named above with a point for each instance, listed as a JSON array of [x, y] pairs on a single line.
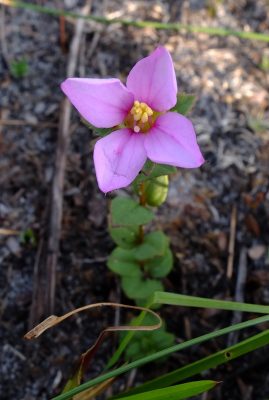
[[231, 117]]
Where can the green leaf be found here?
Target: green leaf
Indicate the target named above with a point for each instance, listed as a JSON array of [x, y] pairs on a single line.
[[137, 288], [126, 211], [154, 244], [160, 267], [28, 237], [73, 382], [19, 68], [201, 302], [146, 343], [126, 237], [97, 131], [123, 263], [184, 103], [178, 392], [151, 171], [264, 64]]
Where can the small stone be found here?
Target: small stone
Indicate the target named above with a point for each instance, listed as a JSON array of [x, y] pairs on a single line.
[[30, 118], [40, 107], [256, 252], [70, 3], [51, 109], [13, 245]]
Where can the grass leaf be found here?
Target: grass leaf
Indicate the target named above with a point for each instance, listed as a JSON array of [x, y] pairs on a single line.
[[179, 392], [212, 361]]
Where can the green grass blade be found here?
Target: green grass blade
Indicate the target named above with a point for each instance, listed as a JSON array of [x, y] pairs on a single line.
[[177, 26], [187, 301], [212, 361], [200, 302], [153, 357], [178, 392]]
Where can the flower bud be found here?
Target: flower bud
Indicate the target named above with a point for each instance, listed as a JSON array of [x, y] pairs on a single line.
[[156, 190]]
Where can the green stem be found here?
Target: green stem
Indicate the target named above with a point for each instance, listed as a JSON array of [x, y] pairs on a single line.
[[177, 26], [142, 202]]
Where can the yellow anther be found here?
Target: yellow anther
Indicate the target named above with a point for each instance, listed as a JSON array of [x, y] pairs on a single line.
[[138, 118], [144, 117]]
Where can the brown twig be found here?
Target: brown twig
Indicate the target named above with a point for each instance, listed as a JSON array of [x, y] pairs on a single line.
[[45, 279], [63, 39], [230, 262], [20, 122], [4, 49]]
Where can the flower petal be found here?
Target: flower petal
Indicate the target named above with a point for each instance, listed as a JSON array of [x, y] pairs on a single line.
[[172, 141], [102, 102], [153, 81], [118, 158]]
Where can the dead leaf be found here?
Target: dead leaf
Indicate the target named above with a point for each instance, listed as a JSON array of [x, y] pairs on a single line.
[[95, 391], [252, 225]]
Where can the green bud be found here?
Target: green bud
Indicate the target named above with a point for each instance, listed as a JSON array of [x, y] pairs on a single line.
[[156, 190]]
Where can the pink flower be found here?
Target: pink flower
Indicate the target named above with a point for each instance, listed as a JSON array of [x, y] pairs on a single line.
[[138, 112]]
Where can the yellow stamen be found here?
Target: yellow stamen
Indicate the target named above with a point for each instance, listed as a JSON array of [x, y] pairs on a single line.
[[141, 117], [137, 115], [144, 117]]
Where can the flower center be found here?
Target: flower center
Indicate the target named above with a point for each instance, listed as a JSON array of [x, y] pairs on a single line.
[[140, 118]]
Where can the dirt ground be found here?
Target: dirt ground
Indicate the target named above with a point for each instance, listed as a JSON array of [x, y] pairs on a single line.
[[212, 214]]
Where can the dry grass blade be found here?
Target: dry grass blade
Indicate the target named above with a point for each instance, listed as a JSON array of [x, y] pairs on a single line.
[[55, 320], [86, 357], [8, 232], [95, 391], [20, 122]]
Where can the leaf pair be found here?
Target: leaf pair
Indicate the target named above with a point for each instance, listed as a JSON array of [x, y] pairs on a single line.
[[140, 266], [146, 343]]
